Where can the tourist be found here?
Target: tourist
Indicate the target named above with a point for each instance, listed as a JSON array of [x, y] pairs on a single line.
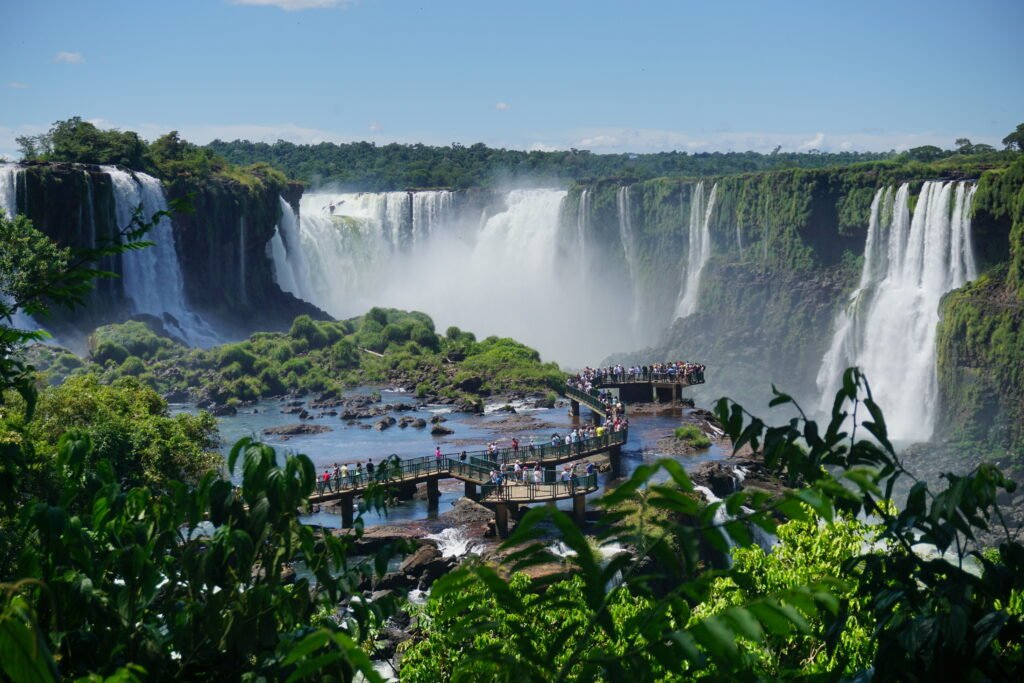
[[531, 446], [369, 468], [515, 446], [337, 477], [517, 471], [462, 456], [359, 472], [343, 475], [327, 481], [437, 455]]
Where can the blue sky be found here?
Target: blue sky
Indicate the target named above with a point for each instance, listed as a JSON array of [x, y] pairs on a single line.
[[607, 76]]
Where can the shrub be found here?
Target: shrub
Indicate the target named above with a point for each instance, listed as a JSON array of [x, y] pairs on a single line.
[[133, 366], [304, 328], [693, 435]]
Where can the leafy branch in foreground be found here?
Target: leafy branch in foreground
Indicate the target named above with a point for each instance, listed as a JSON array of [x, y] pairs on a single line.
[[884, 609]]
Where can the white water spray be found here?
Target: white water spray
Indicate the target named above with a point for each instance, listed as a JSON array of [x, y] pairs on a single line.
[[501, 275], [699, 249], [888, 327], [454, 542], [628, 242]]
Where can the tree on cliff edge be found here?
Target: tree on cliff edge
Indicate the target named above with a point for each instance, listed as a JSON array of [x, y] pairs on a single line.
[[1015, 140]]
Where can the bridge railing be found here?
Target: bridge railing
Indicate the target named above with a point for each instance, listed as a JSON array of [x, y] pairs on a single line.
[[590, 399], [512, 489], [684, 378], [482, 462], [548, 451]]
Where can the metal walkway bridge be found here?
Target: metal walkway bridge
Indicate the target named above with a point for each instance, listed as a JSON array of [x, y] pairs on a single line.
[[475, 470]]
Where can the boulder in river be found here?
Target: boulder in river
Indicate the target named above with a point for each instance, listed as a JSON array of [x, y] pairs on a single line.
[[441, 430], [288, 431]]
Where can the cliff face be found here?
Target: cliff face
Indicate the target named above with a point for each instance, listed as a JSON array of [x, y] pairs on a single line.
[[222, 249], [981, 333], [786, 252], [227, 277]]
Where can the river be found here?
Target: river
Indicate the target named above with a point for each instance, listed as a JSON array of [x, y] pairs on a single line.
[[354, 443]]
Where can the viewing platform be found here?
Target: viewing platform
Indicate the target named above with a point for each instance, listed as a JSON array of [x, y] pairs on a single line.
[[661, 387]]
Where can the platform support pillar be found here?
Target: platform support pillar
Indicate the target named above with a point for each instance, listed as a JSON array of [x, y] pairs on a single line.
[[501, 520], [347, 514]]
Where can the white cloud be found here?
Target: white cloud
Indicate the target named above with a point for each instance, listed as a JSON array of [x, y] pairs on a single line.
[[16, 85], [375, 127], [69, 57], [294, 5], [814, 143], [503, 106], [617, 140], [543, 147]]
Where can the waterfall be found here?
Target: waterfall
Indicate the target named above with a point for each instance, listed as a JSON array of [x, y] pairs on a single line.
[[152, 276], [699, 249], [454, 542], [582, 225], [9, 188], [243, 294], [503, 274], [429, 211], [285, 251], [626, 237], [888, 326]]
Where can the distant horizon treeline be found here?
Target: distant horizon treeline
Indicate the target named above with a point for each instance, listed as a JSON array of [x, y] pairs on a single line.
[[366, 166]]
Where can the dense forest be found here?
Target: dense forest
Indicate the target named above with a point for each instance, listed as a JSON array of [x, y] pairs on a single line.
[[366, 167]]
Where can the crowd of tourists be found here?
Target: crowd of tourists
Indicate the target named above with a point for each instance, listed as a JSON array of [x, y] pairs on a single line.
[[519, 473], [679, 371], [519, 461], [344, 476]]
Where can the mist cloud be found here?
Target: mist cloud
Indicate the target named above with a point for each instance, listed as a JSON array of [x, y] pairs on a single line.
[[69, 58]]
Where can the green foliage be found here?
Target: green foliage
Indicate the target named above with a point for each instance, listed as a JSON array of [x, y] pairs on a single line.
[[317, 356], [169, 157], [130, 430], [832, 601], [808, 551], [505, 363], [366, 166], [692, 435], [79, 141], [468, 616], [1015, 140], [140, 580], [131, 338], [107, 577]]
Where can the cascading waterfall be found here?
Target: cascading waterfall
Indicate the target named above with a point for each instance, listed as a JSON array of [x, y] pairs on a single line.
[[504, 274], [9, 189], [243, 294], [888, 327], [152, 276], [627, 239], [699, 248], [429, 212], [582, 224], [285, 251]]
